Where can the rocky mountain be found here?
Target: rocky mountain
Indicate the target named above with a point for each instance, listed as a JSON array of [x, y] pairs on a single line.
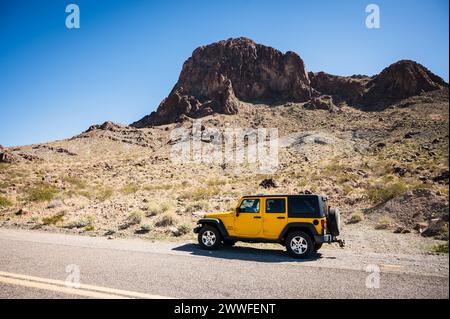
[[219, 76], [400, 80]]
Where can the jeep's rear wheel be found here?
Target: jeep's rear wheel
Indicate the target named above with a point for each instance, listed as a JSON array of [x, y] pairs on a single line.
[[299, 244], [209, 238]]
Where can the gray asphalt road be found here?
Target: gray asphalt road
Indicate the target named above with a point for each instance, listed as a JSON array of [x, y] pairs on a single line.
[[182, 270]]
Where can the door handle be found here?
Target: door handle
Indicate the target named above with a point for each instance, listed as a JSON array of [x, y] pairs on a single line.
[[257, 217], [280, 217]]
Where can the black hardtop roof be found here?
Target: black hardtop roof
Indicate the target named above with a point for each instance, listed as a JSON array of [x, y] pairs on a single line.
[[282, 195]]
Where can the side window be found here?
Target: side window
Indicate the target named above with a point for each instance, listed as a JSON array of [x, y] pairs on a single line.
[[249, 206], [304, 206], [276, 205]]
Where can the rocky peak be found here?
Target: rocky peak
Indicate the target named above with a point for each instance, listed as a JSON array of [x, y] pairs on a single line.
[[217, 77], [398, 81], [106, 126]]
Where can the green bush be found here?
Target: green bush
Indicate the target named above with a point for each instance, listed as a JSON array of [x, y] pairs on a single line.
[[184, 228], [75, 181], [441, 248], [41, 193], [197, 206], [53, 220], [167, 219], [384, 222], [135, 218], [129, 189], [154, 209], [83, 222], [381, 195], [147, 228], [4, 202], [355, 218]]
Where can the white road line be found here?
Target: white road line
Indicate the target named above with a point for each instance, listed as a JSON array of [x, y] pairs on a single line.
[[61, 286]]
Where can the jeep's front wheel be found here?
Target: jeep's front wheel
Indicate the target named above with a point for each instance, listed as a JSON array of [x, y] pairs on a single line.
[[299, 244], [209, 238]]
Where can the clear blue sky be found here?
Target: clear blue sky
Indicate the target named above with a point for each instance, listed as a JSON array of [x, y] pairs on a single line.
[[127, 55]]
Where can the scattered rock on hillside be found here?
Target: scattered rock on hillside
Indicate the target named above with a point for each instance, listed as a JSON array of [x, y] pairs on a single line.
[[341, 88], [7, 157], [106, 126], [442, 178], [324, 102], [413, 207]]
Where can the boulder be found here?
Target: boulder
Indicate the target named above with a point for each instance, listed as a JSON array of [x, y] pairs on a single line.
[[436, 228], [268, 183], [324, 102]]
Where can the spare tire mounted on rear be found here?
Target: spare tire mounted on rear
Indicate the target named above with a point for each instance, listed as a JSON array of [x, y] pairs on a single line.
[[334, 221]]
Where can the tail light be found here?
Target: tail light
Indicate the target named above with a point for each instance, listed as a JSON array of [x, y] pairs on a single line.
[[323, 224]]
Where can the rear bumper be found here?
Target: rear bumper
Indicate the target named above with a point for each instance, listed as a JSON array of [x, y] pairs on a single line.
[[328, 239], [197, 229]]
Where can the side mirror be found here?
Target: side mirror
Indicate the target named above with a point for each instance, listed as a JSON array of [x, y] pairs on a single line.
[[238, 210]]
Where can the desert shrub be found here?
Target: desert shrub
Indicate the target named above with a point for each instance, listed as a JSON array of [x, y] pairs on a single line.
[[154, 208], [184, 228], [41, 193], [135, 218], [201, 193], [89, 228], [103, 192], [167, 219], [355, 218], [380, 195], [129, 189], [347, 189], [197, 206], [5, 202], [145, 228], [75, 181], [384, 222], [83, 222], [440, 248], [54, 219], [35, 219], [157, 187], [216, 182]]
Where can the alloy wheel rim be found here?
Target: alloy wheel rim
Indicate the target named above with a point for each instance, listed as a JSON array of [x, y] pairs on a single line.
[[208, 238], [299, 245]]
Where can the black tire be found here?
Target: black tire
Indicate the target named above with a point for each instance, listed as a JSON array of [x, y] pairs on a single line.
[[317, 246], [334, 221], [299, 244], [229, 243], [214, 238]]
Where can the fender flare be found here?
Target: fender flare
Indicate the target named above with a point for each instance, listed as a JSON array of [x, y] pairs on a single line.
[[216, 223], [290, 226]]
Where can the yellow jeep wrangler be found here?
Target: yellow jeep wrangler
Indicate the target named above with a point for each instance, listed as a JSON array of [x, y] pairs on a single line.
[[302, 223]]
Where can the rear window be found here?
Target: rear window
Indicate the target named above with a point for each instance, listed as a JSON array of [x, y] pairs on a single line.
[[304, 206]]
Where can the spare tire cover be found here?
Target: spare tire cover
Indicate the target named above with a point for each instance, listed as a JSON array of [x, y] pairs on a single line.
[[334, 221]]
